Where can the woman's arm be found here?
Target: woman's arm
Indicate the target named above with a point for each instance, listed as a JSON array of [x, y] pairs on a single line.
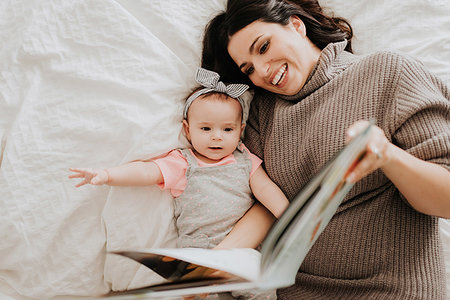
[[425, 185], [268, 193], [137, 173], [250, 230]]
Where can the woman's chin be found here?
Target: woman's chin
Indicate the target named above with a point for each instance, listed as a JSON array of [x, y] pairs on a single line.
[[286, 92]]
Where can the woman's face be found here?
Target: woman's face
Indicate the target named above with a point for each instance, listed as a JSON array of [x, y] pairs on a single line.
[[276, 58]]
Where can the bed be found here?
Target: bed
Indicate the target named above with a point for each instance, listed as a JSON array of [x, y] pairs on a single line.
[[100, 83]]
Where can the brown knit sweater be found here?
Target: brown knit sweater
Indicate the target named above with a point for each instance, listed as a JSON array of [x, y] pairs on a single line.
[[376, 246]]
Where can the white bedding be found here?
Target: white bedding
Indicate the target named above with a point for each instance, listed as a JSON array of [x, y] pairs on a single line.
[[99, 83]]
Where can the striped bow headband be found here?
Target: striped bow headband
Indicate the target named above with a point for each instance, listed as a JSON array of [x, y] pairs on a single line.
[[210, 81]]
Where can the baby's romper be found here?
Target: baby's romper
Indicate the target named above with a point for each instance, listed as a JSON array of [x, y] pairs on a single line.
[[214, 199]]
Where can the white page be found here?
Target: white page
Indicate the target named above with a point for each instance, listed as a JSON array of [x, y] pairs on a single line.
[[242, 262]]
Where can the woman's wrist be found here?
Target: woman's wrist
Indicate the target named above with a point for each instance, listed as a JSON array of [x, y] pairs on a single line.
[[394, 159]]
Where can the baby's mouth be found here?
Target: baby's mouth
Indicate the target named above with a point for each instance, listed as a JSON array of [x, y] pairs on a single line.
[[281, 74]]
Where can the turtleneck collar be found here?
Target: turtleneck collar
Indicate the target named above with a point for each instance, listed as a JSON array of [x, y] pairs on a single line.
[[329, 65]]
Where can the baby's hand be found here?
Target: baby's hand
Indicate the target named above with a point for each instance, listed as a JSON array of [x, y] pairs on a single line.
[[91, 176]]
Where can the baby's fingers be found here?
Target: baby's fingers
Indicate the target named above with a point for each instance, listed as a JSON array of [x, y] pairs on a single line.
[[78, 175], [82, 183], [87, 174], [81, 170]]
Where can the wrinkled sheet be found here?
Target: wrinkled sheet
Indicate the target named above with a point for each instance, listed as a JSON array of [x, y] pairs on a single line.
[[100, 83]]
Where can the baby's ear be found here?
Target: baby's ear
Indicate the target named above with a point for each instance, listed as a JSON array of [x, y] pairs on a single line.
[[186, 130], [242, 130]]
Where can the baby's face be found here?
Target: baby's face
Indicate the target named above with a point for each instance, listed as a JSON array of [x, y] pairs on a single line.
[[214, 126]]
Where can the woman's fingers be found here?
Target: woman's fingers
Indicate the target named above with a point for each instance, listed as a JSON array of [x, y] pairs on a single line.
[[356, 128], [376, 154], [363, 168]]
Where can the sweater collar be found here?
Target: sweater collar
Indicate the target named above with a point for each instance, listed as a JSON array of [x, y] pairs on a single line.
[[332, 61]]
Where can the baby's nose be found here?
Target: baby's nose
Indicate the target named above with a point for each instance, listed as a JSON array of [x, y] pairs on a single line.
[[216, 134]]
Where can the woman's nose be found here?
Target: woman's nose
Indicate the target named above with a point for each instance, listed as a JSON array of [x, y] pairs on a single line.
[[262, 67]]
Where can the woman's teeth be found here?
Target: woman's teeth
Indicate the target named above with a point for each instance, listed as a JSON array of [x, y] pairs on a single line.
[[280, 75]]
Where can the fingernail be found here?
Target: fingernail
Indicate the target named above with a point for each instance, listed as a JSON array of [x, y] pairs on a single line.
[[351, 132], [351, 177]]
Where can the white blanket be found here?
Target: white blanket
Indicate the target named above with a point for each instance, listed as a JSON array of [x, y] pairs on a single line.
[[100, 83]]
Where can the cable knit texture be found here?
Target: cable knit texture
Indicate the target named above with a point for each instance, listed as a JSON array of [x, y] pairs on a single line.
[[376, 246]]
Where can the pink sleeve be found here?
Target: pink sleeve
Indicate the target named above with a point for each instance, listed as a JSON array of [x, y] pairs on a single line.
[[173, 169], [256, 161]]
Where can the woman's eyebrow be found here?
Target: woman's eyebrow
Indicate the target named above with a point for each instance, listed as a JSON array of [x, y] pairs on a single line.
[[252, 46]]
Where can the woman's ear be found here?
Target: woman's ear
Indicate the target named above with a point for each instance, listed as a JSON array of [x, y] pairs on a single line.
[[298, 25], [186, 130]]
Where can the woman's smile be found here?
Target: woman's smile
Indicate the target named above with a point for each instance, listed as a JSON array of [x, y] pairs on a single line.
[[280, 76]]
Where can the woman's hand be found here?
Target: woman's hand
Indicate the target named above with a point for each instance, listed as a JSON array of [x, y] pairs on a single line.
[[378, 150], [423, 184], [90, 176]]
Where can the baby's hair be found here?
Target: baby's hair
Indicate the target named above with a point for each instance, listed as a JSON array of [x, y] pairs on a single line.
[[218, 96]]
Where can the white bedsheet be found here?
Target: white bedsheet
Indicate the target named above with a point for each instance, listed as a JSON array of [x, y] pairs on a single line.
[[99, 83]]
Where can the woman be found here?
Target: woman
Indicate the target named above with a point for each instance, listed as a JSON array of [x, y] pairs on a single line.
[[311, 94]]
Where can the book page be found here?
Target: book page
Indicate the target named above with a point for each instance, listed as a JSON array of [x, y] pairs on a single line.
[[310, 211], [178, 264]]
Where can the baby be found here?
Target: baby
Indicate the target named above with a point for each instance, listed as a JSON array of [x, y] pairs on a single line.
[[213, 181]]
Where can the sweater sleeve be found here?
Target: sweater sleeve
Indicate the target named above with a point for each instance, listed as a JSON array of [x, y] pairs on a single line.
[[422, 114], [252, 138]]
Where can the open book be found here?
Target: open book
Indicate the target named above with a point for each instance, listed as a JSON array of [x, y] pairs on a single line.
[[188, 270]]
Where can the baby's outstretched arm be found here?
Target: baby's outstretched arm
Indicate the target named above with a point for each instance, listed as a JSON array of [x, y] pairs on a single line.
[[137, 173]]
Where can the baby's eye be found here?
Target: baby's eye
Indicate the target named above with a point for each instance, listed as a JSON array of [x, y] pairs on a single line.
[[264, 47], [228, 129], [249, 71], [205, 128]]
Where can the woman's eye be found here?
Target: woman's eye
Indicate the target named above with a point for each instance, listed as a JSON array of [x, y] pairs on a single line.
[[264, 47], [205, 128], [249, 71]]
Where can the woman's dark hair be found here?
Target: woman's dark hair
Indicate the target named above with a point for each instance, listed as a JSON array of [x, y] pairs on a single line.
[[320, 29]]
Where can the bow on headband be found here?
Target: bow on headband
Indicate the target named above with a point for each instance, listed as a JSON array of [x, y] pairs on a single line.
[[210, 81]]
